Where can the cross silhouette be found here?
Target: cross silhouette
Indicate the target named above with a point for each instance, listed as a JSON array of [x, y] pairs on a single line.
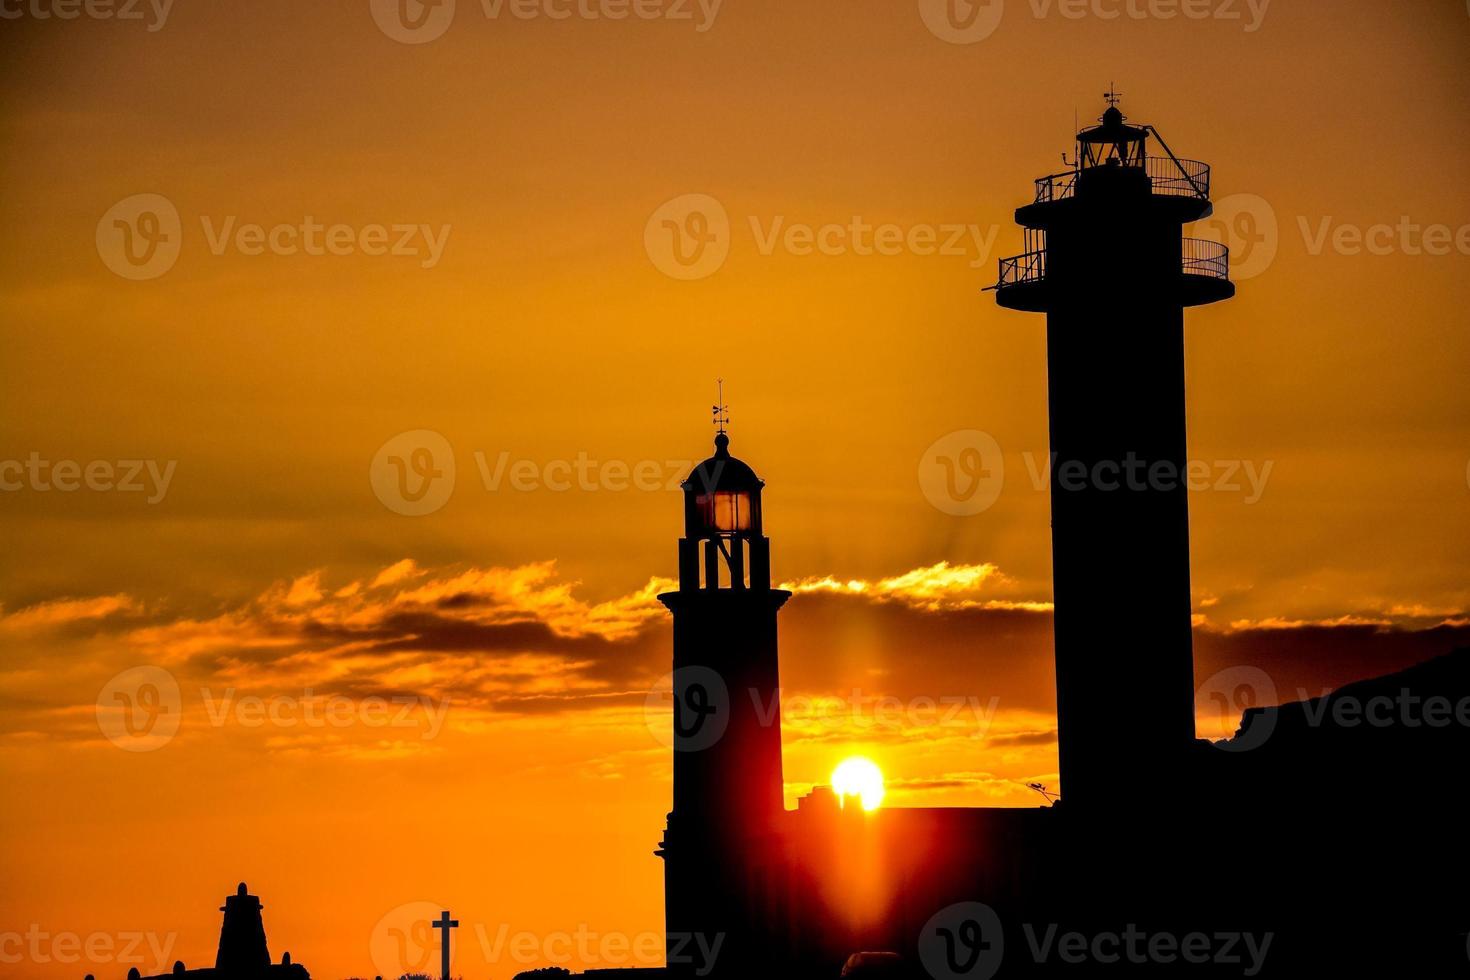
[[444, 923]]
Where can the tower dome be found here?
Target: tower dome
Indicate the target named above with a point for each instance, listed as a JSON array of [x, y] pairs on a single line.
[[723, 472]]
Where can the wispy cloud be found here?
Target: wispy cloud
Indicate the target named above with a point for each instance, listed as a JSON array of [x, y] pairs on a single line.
[[936, 587], [60, 612]]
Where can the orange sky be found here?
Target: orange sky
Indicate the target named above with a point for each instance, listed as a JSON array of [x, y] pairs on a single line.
[[534, 324]]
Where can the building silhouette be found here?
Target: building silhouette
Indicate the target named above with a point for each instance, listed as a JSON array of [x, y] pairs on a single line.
[[1155, 831], [1106, 262], [242, 954]]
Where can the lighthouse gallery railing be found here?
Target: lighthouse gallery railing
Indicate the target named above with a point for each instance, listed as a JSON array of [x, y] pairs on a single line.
[[1198, 257], [1181, 178]]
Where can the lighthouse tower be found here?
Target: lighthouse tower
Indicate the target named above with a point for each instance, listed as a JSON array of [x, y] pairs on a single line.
[[1107, 262], [718, 847]]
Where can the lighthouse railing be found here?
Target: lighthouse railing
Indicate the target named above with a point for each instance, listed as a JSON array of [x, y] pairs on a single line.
[[1179, 178], [1055, 187], [1026, 267], [1202, 257], [1169, 176], [1198, 257]]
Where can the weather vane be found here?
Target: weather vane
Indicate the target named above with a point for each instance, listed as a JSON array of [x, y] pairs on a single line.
[[721, 410], [1113, 95]]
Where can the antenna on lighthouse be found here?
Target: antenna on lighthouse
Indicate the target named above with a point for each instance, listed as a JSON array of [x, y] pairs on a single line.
[[721, 410]]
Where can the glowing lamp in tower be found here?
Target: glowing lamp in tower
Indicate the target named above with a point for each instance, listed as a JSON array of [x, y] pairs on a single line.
[[727, 511]]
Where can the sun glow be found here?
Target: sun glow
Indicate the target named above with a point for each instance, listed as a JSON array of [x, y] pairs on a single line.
[[861, 778]]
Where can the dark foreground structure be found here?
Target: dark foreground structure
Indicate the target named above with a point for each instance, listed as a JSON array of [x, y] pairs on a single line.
[[1317, 840], [243, 954]]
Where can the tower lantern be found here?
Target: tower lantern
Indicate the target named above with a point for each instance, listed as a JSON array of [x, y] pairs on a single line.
[[1107, 262], [1113, 144], [722, 525]]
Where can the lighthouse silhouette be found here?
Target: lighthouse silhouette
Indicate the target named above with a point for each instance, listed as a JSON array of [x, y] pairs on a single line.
[[1107, 262], [719, 843]]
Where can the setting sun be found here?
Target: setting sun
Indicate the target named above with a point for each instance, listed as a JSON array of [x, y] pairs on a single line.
[[861, 778]]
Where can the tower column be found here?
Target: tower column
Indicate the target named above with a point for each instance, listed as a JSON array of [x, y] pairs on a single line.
[[1108, 267]]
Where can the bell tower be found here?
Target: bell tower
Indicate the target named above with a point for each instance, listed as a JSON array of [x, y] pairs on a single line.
[[1107, 262], [728, 793]]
